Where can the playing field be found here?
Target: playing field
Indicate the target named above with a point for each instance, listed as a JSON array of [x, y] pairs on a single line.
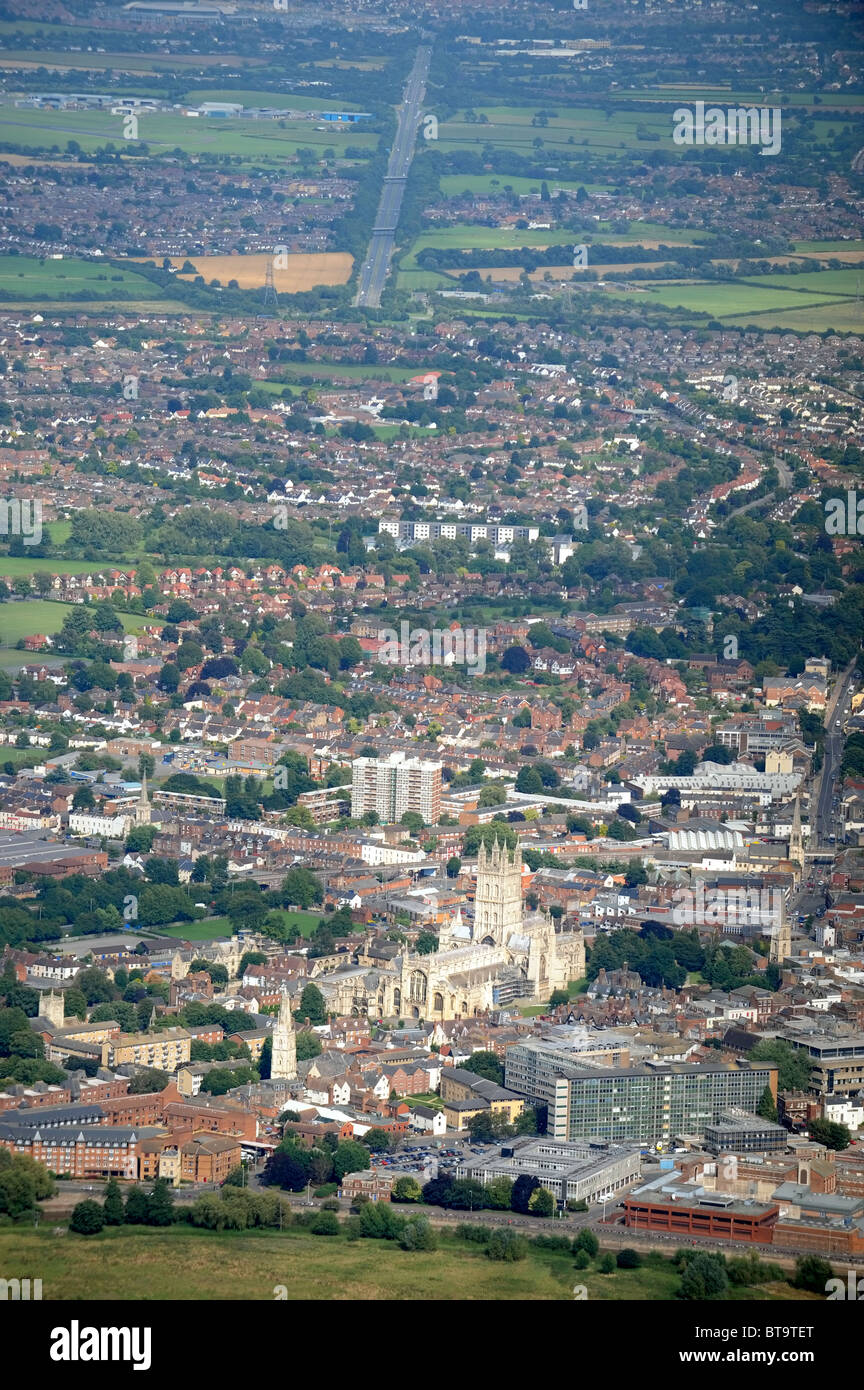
[[300, 271], [207, 929]]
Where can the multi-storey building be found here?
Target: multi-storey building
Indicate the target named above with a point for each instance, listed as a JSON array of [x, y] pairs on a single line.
[[449, 530], [391, 786], [92, 1151], [165, 1051], [649, 1104]]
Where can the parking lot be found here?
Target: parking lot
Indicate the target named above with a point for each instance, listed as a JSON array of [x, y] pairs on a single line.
[[419, 1158]]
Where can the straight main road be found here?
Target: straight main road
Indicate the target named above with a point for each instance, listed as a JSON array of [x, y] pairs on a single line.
[[825, 821], [373, 271]]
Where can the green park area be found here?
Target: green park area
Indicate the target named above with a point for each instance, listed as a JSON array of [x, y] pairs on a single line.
[[184, 1264]]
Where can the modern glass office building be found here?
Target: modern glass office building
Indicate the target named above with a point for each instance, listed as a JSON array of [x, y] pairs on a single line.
[[649, 1104]]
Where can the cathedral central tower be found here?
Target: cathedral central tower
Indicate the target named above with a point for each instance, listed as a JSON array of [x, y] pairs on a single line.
[[498, 898]]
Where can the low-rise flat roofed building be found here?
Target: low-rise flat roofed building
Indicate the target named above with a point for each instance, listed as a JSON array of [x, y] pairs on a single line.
[[668, 1204], [578, 1170]]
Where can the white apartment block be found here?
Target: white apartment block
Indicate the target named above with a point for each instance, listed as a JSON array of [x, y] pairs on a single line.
[[391, 786], [449, 530]]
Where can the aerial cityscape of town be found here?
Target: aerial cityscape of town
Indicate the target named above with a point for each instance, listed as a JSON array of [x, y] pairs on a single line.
[[432, 656]]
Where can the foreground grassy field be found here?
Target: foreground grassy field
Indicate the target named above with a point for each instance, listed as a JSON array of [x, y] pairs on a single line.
[[184, 1264]]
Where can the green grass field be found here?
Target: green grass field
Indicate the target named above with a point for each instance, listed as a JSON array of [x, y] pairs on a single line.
[[510, 127], [13, 566], [183, 1264], [23, 619], [302, 922], [765, 303], [259, 141], [839, 315], [326, 371], [835, 282], [207, 929], [827, 247], [32, 279]]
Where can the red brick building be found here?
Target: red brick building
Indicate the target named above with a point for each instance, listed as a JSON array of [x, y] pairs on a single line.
[[722, 1218]]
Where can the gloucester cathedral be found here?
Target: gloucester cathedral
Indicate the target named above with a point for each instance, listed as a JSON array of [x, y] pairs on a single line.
[[500, 955]]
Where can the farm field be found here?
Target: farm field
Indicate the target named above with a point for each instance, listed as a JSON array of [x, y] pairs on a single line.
[[584, 126], [470, 237], [142, 306], [303, 271], [833, 248], [16, 160], [183, 1264], [726, 97], [841, 282], [34, 279], [839, 315], [730, 301]]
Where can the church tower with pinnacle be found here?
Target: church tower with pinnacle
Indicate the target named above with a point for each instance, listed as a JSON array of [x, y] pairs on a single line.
[[283, 1065], [498, 898], [142, 810]]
